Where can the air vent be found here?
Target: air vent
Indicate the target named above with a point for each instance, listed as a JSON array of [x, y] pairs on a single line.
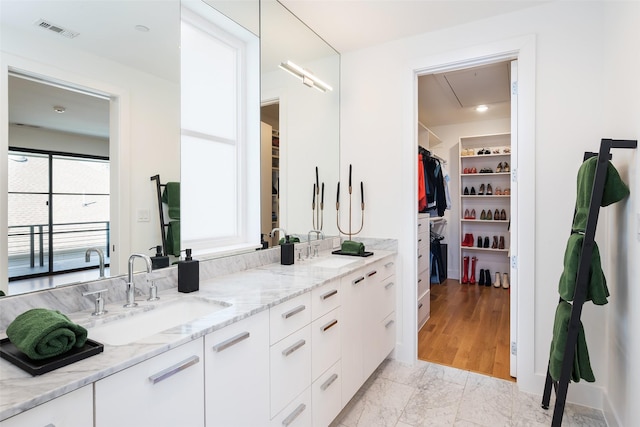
[[56, 29]]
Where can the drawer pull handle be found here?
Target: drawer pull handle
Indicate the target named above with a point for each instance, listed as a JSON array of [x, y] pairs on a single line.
[[172, 370], [230, 342], [420, 306], [293, 311], [371, 273], [388, 285], [329, 325], [328, 294], [330, 381], [389, 323], [358, 280], [419, 256], [288, 351], [390, 263], [419, 280], [292, 416]]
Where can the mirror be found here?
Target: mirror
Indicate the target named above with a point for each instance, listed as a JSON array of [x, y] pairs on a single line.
[[147, 87], [302, 125]]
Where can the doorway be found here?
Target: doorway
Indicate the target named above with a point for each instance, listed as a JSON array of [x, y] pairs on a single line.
[[270, 170], [473, 313]]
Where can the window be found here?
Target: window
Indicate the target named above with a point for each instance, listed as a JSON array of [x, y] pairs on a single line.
[[220, 134]]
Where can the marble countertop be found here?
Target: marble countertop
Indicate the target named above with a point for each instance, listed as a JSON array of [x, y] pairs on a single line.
[[246, 293]]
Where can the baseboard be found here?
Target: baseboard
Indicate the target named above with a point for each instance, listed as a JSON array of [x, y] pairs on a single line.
[[610, 415]]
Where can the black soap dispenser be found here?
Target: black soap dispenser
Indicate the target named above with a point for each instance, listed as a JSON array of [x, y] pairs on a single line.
[[159, 260], [286, 252], [188, 274]]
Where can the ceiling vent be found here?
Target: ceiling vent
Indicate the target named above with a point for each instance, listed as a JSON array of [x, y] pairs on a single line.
[[56, 29]]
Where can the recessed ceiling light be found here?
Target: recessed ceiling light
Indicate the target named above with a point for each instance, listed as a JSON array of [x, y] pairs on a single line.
[[481, 108], [59, 109], [142, 28]]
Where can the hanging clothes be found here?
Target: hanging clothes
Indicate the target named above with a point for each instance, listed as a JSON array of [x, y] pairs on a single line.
[[434, 183], [422, 191]]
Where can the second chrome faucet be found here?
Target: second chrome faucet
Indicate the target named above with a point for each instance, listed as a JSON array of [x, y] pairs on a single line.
[[131, 286]]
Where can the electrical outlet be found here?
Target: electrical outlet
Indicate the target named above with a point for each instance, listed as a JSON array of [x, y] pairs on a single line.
[[143, 215]]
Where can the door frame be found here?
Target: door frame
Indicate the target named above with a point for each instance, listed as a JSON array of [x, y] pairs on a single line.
[[522, 49]]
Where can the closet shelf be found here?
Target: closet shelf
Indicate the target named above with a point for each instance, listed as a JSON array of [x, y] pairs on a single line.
[[485, 174], [480, 156], [473, 248], [484, 196], [487, 221]]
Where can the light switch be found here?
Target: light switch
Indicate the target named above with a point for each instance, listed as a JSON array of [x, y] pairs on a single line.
[[143, 215], [638, 226]]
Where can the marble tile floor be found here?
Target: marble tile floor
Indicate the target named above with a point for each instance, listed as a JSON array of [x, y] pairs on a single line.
[[427, 394]]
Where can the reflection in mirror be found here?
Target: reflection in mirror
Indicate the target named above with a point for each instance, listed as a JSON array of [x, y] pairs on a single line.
[[141, 86], [300, 125]]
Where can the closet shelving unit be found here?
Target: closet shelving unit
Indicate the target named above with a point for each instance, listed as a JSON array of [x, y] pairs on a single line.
[[494, 259], [275, 178], [561, 386]]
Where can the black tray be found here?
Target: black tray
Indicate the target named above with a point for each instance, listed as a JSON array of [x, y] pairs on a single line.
[[364, 254], [11, 353]]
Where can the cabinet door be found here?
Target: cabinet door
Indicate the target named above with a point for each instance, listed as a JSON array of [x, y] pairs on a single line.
[[325, 298], [325, 336], [326, 396], [166, 390], [289, 316], [237, 374], [74, 409], [295, 414], [353, 336]]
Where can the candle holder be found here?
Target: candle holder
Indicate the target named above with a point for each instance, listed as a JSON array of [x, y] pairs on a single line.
[[317, 209], [350, 247]]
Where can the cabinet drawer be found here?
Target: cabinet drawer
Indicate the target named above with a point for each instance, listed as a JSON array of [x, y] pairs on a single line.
[[423, 261], [325, 336], [326, 396], [381, 342], [237, 373], [424, 309], [423, 282], [289, 316], [74, 409], [388, 341], [325, 298], [297, 413], [423, 224], [382, 299], [290, 368], [387, 268]]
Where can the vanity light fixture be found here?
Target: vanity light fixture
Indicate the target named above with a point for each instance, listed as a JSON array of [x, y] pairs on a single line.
[[59, 109], [481, 108], [307, 77]]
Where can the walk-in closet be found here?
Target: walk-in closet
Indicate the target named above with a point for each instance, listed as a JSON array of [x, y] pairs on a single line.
[[466, 218]]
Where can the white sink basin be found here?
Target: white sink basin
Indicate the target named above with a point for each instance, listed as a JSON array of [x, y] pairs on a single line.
[[139, 326], [335, 261]]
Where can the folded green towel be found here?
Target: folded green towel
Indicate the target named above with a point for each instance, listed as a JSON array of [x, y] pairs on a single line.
[[173, 238], [40, 333], [352, 247], [581, 363], [292, 239], [2, 294], [614, 190], [171, 196], [597, 290]]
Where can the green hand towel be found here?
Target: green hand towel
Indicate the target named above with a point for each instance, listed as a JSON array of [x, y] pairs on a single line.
[[40, 333], [614, 190], [581, 363], [292, 239], [597, 290], [352, 247], [171, 196], [173, 238]]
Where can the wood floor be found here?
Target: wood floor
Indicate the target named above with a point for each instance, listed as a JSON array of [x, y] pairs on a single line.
[[468, 329]]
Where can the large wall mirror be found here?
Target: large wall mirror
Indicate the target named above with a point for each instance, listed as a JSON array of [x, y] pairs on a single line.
[[139, 89]]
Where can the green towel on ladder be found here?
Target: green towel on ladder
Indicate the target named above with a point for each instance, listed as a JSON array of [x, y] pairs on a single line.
[[41, 333], [171, 196], [581, 363], [173, 238]]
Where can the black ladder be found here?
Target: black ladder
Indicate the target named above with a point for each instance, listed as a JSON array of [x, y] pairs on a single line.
[[163, 225], [562, 385]]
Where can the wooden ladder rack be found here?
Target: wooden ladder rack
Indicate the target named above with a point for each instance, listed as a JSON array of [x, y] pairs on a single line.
[[562, 385]]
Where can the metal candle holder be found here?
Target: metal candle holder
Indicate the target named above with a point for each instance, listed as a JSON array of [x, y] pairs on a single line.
[[350, 232], [317, 209]]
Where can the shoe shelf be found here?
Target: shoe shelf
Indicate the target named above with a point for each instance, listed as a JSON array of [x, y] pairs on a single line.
[[491, 170]]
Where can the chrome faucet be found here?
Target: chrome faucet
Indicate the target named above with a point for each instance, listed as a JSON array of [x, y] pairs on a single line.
[[131, 286], [87, 258], [319, 233], [284, 232]]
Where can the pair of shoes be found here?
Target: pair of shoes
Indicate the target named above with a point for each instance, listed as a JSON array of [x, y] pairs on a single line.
[[499, 168], [497, 284], [495, 243], [484, 151], [505, 281], [498, 191], [468, 240], [489, 215], [496, 151], [467, 171], [486, 170], [473, 191], [503, 215], [506, 150], [501, 244], [467, 152], [469, 214], [506, 167], [506, 192], [466, 191], [482, 189]]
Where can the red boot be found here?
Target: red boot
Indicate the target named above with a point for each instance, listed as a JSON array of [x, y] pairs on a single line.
[[465, 276], [472, 279]]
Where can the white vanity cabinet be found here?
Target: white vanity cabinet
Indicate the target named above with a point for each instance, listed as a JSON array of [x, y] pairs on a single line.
[[237, 374], [74, 409], [165, 390]]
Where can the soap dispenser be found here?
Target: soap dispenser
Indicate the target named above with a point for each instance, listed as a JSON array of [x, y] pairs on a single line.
[[188, 274], [287, 251], [159, 260]]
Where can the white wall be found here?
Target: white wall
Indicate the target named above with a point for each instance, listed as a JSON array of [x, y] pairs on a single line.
[[621, 110], [151, 130], [569, 119], [47, 139]]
